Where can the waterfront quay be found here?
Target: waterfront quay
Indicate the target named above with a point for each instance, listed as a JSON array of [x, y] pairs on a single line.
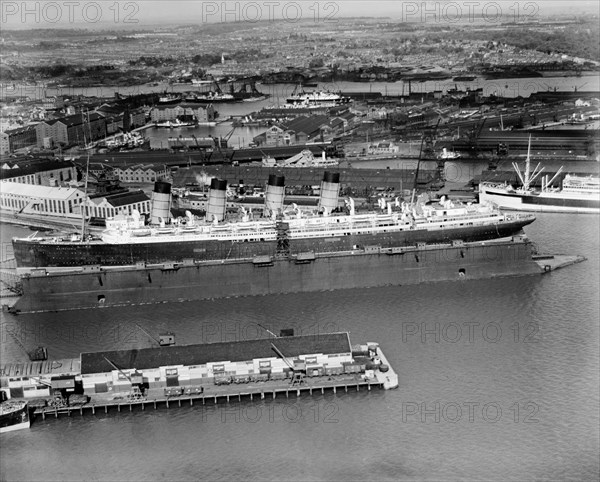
[[223, 394]]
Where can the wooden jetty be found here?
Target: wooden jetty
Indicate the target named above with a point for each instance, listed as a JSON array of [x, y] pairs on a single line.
[[262, 391]]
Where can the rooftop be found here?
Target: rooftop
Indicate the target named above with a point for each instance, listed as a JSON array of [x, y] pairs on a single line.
[[147, 358], [35, 191]]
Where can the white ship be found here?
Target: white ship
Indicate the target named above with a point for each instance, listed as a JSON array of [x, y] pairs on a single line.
[[303, 159], [14, 415], [315, 98], [174, 124], [579, 194], [449, 155]]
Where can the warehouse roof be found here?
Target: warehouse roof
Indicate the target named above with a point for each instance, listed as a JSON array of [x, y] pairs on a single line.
[[146, 358], [18, 169], [35, 191], [75, 119]]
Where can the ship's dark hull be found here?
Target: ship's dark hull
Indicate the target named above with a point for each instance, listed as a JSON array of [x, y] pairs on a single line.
[[31, 254], [369, 267]]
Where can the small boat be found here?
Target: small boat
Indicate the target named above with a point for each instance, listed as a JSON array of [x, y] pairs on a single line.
[[14, 415]]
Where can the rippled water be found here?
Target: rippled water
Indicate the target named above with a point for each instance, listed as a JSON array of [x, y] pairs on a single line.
[[498, 381]]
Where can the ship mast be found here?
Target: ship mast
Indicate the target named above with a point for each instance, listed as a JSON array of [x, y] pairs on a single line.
[[528, 177], [84, 205], [527, 166]]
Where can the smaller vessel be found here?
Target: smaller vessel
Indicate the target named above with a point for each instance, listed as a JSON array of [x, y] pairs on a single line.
[[578, 194], [126, 141], [315, 98], [174, 124], [202, 82], [14, 415], [169, 98], [210, 97], [464, 78], [449, 155], [303, 159]]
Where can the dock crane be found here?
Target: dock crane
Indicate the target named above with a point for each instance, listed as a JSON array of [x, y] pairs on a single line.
[[196, 141], [227, 136], [39, 354], [298, 376], [136, 389], [117, 368], [477, 132], [425, 139], [219, 145]]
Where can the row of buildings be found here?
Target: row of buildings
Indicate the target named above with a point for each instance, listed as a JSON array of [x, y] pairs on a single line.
[[50, 172], [50, 188], [67, 202], [75, 129], [86, 127], [201, 114], [305, 128]]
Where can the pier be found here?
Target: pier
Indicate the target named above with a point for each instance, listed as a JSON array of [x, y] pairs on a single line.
[[264, 368], [269, 390]]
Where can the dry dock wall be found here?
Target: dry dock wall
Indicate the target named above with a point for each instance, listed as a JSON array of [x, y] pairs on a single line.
[[360, 269]]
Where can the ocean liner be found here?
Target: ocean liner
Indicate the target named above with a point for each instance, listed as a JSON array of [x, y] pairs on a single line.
[[281, 251], [130, 241]]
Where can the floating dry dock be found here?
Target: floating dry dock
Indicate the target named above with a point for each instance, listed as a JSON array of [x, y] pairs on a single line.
[[204, 373], [364, 267]]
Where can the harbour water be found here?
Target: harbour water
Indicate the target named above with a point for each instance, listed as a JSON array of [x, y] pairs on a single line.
[[511, 87], [499, 380]]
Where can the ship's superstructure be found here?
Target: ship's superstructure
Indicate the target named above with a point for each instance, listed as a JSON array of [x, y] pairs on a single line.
[[315, 98], [129, 240], [303, 159]]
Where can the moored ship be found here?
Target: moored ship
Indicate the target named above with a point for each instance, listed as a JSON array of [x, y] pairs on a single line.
[[578, 194], [129, 240], [303, 159], [316, 98], [281, 251], [14, 415]]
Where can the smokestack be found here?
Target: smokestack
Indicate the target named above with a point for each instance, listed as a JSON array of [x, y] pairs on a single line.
[[274, 195], [161, 203], [217, 200], [330, 188]]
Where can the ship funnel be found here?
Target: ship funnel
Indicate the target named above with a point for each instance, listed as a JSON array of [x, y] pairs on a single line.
[[274, 195], [161, 202], [330, 188], [217, 200]]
